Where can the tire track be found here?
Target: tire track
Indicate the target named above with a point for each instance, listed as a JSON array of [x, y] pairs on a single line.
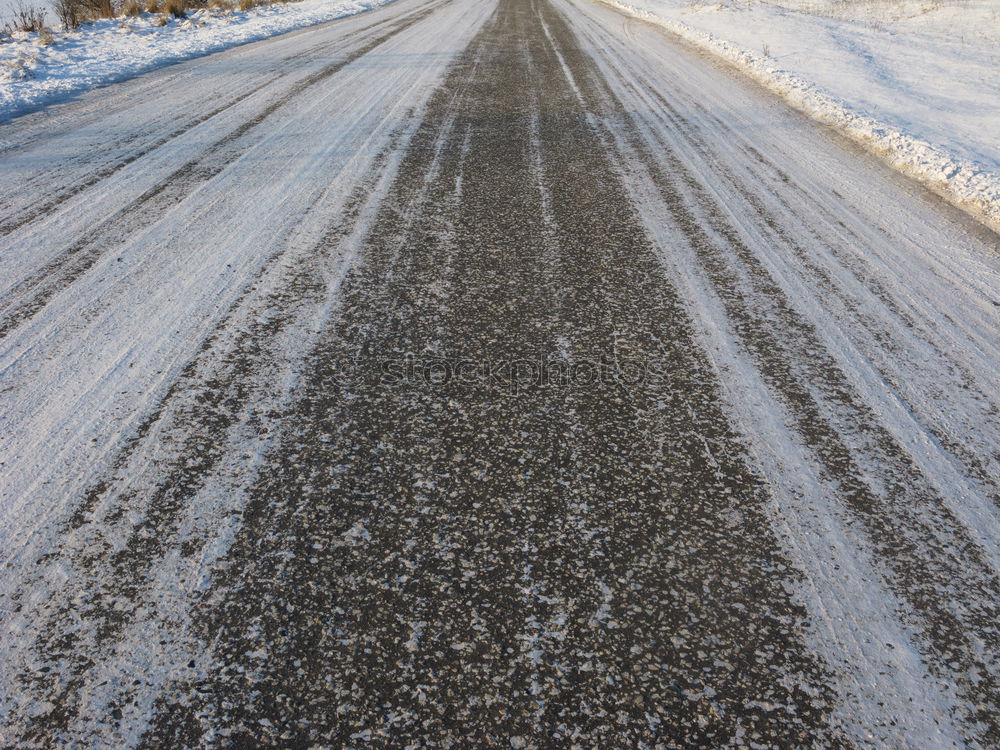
[[946, 578], [221, 397], [780, 230], [457, 563], [32, 294], [126, 534], [56, 198]]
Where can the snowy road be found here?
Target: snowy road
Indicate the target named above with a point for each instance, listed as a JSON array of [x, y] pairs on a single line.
[[488, 373]]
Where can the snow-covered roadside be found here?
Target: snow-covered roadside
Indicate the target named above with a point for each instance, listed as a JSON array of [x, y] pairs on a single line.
[[919, 85], [33, 73]]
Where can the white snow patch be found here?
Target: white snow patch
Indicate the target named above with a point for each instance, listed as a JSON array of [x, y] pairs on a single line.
[[917, 83], [33, 74]]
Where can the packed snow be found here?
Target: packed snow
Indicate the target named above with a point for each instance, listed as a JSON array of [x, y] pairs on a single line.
[[35, 71], [917, 82]]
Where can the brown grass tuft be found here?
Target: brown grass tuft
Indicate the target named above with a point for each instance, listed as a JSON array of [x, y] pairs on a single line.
[[175, 8], [99, 9]]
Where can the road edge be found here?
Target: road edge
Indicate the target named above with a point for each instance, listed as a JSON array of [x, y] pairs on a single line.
[[19, 106], [962, 183]]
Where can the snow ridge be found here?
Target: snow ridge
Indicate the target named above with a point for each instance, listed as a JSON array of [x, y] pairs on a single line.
[[34, 73], [965, 183]]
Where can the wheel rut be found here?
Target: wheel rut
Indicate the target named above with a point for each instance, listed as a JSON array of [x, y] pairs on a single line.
[[33, 293], [475, 527]]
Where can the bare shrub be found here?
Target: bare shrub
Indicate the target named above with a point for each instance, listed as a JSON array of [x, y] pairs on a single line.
[[25, 18], [70, 13]]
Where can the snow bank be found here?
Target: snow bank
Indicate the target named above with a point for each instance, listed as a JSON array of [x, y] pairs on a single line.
[[917, 85], [33, 73]]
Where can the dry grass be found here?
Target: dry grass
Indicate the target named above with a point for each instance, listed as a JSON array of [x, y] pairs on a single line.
[[175, 8], [73, 13], [99, 9], [25, 18]]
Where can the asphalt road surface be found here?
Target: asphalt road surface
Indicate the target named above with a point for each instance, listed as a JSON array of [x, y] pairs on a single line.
[[488, 373]]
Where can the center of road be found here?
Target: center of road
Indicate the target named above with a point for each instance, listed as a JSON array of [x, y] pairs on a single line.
[[453, 559]]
